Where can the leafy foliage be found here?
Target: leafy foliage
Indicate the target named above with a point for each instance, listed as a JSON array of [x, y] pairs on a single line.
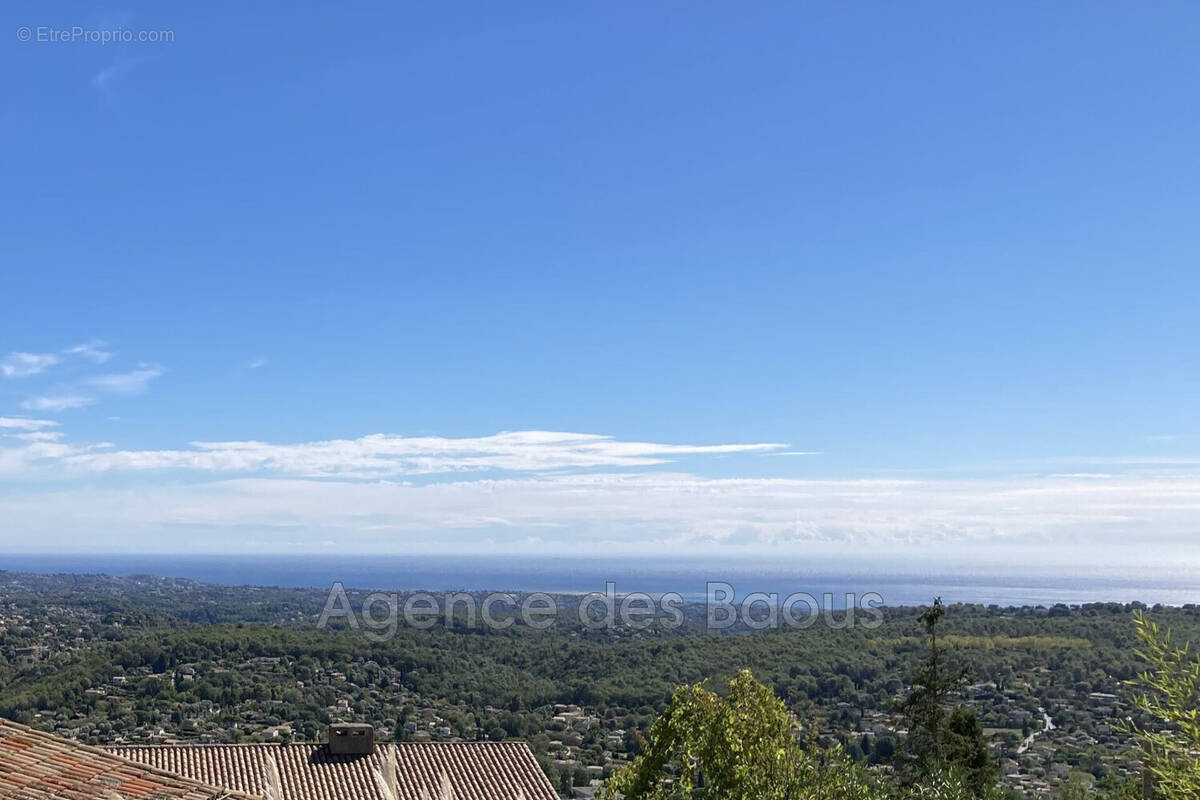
[[1170, 692], [740, 747], [745, 746]]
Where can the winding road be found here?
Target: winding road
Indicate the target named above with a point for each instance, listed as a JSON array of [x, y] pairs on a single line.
[[1047, 725]]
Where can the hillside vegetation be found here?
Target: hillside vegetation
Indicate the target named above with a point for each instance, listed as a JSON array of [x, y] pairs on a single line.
[[152, 660]]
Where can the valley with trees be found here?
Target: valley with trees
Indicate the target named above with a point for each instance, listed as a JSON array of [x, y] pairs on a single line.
[[1005, 702]]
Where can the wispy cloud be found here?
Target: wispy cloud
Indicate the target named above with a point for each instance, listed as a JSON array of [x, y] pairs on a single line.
[[39, 436], [25, 424], [256, 363], [94, 351], [38, 451], [1170, 438], [796, 453], [1129, 461], [383, 455], [22, 365], [574, 489], [76, 392], [105, 81], [57, 402], [134, 382]]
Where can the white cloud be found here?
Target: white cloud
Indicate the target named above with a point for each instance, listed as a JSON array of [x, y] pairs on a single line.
[[38, 436], [34, 454], [22, 365], [93, 351], [57, 402], [77, 393], [634, 512], [25, 424], [382, 455], [134, 382], [567, 489], [256, 363]]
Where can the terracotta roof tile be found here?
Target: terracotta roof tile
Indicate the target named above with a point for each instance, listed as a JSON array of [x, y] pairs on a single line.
[[474, 770], [38, 766]]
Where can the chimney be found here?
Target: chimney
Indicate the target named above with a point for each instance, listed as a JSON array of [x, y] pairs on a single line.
[[351, 739]]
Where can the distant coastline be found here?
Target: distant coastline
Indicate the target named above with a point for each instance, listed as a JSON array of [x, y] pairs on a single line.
[[570, 576]]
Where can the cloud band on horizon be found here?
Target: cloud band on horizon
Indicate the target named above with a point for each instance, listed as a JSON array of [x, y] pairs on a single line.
[[557, 490]]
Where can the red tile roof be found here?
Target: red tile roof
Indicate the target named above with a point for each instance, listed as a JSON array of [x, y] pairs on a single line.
[[35, 766], [474, 770]]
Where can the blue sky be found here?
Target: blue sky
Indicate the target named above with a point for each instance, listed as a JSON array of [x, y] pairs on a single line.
[[949, 253]]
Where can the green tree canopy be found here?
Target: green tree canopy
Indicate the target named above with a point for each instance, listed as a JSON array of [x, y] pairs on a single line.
[[1170, 692], [740, 747]]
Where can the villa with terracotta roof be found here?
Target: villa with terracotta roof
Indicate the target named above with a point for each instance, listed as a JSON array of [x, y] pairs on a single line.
[[351, 766]]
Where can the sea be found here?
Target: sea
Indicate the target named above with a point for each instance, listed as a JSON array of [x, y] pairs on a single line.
[[693, 579]]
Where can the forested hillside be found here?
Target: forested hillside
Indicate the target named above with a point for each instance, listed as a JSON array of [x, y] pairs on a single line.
[[108, 660]]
